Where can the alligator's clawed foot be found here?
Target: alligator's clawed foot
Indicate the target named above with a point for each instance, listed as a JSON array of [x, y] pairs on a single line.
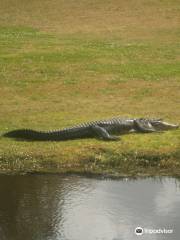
[[103, 134]]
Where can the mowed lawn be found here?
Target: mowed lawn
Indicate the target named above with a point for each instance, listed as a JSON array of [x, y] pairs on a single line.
[[67, 62]]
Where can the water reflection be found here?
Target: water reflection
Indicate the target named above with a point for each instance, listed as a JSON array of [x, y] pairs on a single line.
[[51, 207]]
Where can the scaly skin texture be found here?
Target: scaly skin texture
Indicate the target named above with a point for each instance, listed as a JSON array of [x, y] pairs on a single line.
[[97, 129]]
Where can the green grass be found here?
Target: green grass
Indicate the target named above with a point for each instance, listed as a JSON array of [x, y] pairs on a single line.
[[54, 78]]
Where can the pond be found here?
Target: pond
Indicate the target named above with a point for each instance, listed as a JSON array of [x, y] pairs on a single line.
[[54, 207]]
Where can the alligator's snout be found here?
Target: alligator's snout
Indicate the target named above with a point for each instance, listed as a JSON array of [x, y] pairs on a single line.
[[169, 125], [161, 125]]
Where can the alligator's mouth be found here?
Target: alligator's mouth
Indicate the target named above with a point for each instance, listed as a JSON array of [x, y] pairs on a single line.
[[162, 126]]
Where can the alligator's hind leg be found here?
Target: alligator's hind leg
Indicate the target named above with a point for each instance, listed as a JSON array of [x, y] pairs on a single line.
[[143, 128], [102, 133]]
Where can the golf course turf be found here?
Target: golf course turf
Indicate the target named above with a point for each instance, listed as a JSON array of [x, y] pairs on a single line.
[[67, 62]]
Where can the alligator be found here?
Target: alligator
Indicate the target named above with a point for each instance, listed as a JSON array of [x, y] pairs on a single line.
[[102, 129]]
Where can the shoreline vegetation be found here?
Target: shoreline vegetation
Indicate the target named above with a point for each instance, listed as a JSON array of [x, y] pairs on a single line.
[[103, 163], [89, 61]]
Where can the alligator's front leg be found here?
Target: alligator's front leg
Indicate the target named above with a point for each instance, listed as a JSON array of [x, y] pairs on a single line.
[[141, 127], [102, 133]]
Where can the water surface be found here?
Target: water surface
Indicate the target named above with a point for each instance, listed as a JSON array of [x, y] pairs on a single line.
[[52, 207]]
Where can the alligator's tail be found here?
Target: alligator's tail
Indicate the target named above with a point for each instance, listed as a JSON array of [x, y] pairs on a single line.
[[56, 135], [27, 134]]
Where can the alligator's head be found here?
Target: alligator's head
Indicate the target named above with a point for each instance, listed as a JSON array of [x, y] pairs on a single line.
[[160, 125]]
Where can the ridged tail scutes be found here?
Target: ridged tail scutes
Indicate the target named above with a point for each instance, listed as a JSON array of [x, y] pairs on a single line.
[[33, 135]]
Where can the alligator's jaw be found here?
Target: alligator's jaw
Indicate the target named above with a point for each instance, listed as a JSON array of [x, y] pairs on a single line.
[[163, 126]]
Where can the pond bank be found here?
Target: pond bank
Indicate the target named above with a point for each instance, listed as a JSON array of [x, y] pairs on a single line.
[[104, 163]]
